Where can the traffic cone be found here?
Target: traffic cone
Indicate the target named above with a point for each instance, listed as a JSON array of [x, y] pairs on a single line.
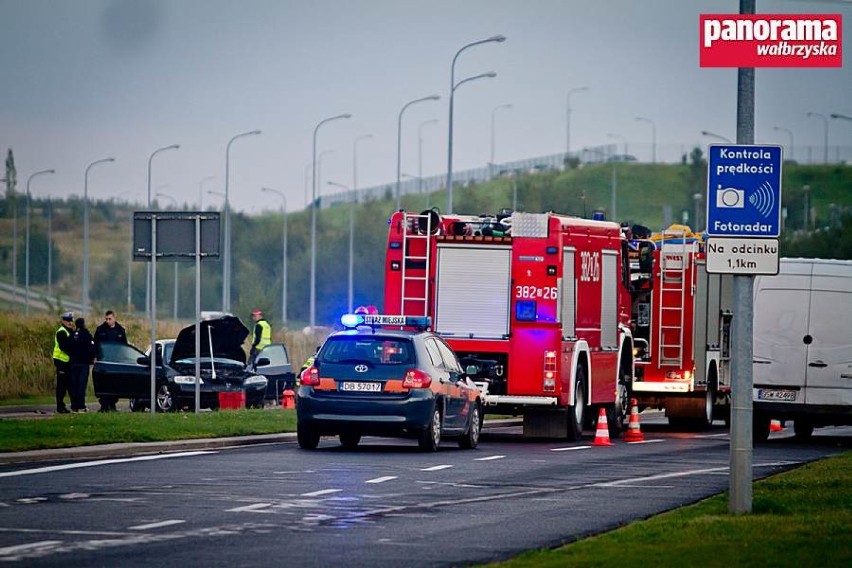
[[633, 433], [288, 399], [775, 426], [602, 433]]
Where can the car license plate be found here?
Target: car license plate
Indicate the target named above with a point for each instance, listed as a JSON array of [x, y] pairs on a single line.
[[361, 386], [776, 394]]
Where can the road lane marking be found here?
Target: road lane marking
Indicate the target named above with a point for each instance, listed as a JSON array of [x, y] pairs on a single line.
[[436, 468], [156, 525], [17, 549], [489, 458], [320, 492], [381, 479], [570, 448], [66, 466], [646, 442], [250, 508]]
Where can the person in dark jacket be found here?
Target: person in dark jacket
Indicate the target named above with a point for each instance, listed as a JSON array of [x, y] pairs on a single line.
[[109, 331], [62, 345], [82, 355]]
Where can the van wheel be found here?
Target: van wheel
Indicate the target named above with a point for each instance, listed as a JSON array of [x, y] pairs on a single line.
[[803, 429], [760, 427], [577, 413], [430, 437]]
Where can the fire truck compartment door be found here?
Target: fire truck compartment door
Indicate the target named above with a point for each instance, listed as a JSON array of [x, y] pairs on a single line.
[[473, 291]]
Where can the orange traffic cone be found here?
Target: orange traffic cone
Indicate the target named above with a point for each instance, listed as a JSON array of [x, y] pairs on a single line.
[[288, 399], [602, 433], [633, 434], [775, 426]]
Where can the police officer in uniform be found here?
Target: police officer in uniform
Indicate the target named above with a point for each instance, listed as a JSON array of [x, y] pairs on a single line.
[[62, 345], [262, 335]]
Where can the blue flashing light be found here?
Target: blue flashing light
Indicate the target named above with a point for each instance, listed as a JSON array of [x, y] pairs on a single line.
[[395, 245], [525, 310], [350, 321], [551, 250]]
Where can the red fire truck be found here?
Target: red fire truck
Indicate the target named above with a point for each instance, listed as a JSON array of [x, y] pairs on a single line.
[[537, 306], [681, 324]]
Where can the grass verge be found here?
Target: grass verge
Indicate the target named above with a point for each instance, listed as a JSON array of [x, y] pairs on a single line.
[[69, 430], [800, 518]]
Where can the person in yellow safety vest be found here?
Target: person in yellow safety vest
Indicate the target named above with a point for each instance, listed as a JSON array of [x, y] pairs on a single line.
[[262, 336], [62, 344]]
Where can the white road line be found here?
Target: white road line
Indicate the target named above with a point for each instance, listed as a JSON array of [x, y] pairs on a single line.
[[63, 467], [570, 448], [250, 508], [646, 442], [381, 479], [320, 492], [156, 525], [489, 458], [8, 550], [436, 468]]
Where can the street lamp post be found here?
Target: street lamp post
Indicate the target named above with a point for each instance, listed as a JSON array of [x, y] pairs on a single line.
[[697, 197], [313, 294], [201, 191], [568, 117], [824, 135], [493, 113], [789, 134], [453, 87], [86, 231], [351, 281], [27, 263], [226, 267], [283, 254], [148, 300], [399, 141], [420, 155], [653, 137], [717, 136]]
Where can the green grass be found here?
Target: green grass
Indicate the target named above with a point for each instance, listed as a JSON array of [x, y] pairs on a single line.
[[800, 518], [70, 430]]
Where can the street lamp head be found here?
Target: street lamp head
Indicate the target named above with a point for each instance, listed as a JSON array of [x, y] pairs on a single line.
[[499, 38], [347, 115], [172, 147], [255, 132], [432, 98], [491, 74]]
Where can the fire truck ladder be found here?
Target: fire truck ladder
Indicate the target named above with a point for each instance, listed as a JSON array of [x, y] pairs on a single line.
[[416, 282], [673, 285]]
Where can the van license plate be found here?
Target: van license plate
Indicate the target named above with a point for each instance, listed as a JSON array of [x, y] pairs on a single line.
[[360, 386], [783, 395]]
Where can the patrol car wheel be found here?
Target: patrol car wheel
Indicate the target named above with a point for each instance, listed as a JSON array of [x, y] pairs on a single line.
[[576, 413], [308, 437], [165, 402], [350, 440], [471, 438], [430, 438], [138, 405]]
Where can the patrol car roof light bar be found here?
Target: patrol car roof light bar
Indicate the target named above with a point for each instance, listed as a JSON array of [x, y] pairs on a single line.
[[352, 321]]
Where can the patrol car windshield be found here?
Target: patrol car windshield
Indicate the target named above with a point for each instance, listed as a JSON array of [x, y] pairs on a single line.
[[371, 350]]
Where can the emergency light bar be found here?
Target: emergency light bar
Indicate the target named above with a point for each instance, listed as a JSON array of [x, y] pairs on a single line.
[[351, 321]]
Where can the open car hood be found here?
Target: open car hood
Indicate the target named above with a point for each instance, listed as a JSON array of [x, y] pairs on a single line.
[[226, 332]]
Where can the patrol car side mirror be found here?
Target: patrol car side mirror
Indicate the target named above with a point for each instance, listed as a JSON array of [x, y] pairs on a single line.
[[143, 360], [263, 362]]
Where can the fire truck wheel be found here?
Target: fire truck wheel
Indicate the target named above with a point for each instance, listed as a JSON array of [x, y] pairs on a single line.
[[709, 398], [308, 437], [471, 438], [576, 413], [430, 437], [760, 427]]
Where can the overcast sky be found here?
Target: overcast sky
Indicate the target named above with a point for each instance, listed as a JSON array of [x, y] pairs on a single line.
[[88, 79]]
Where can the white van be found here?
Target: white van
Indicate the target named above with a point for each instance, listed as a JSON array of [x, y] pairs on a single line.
[[803, 346]]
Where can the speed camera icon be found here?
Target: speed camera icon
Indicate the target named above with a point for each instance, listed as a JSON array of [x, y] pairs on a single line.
[[730, 198]]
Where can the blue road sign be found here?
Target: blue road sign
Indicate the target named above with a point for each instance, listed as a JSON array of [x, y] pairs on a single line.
[[744, 191]]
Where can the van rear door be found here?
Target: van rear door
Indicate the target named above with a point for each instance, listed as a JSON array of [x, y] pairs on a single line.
[[829, 357]]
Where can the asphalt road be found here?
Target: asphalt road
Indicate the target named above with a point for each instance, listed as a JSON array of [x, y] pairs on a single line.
[[384, 504]]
